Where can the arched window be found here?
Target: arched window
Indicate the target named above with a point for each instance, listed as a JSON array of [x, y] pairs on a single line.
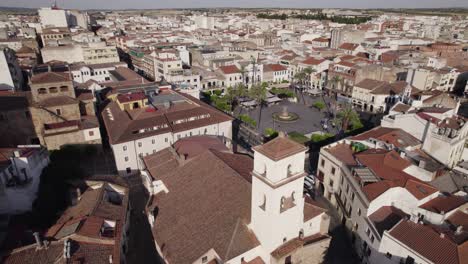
[[64, 88], [289, 170], [42, 91], [263, 205], [53, 90], [264, 171]]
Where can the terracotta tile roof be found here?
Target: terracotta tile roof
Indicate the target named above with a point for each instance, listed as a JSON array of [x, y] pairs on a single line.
[[216, 218], [444, 204], [313, 61], [459, 218], [82, 252], [424, 240], [311, 211], [398, 137], [402, 108], [126, 125], [86, 218], [50, 77], [273, 67], [296, 243], [370, 84], [287, 248], [279, 148], [257, 260], [231, 69], [343, 153], [194, 146], [419, 189], [374, 190], [125, 98], [348, 46], [58, 100], [386, 217]]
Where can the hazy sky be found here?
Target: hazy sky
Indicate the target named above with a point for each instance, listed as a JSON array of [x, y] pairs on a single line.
[[136, 4]]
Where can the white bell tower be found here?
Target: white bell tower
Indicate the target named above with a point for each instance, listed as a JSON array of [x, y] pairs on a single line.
[[277, 192]]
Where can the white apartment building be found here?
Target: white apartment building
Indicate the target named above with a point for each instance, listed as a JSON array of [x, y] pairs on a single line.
[[377, 180], [100, 73], [89, 53], [11, 77], [138, 124], [53, 17], [443, 134], [20, 176]]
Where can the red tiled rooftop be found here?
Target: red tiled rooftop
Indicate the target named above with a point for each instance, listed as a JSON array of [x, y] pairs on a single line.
[[443, 204], [125, 98], [427, 242], [231, 69]]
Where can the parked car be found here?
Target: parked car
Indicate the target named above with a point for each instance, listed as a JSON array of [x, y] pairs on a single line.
[[308, 185]]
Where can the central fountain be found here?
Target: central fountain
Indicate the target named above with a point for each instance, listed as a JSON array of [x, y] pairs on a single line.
[[285, 115]]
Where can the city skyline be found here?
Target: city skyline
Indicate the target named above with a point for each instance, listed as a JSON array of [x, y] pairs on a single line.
[[147, 4]]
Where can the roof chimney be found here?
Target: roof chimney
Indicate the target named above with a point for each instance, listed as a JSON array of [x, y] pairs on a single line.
[[442, 235], [17, 153], [459, 230], [39, 242]]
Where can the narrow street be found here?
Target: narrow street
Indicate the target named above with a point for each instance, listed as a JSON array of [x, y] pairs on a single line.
[[340, 250], [141, 247]]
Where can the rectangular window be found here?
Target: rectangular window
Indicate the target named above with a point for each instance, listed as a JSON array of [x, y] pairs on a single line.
[[352, 197], [333, 170], [91, 133], [165, 139], [204, 259], [129, 170], [372, 239], [125, 148], [153, 141], [359, 211], [368, 232], [322, 163], [126, 158], [331, 183], [139, 144], [58, 111]]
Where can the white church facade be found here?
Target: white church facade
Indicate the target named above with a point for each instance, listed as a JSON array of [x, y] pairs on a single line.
[[221, 207]]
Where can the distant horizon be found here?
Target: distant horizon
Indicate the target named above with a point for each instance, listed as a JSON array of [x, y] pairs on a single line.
[[243, 4]]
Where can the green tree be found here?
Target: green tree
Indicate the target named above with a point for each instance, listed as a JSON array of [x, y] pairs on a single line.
[[348, 118]]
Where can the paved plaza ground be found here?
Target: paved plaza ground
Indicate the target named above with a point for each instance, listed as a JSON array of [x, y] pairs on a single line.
[[309, 117]]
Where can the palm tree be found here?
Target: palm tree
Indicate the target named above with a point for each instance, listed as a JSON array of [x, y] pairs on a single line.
[[347, 116], [308, 72], [259, 93], [242, 71], [300, 76], [230, 95], [335, 80]]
